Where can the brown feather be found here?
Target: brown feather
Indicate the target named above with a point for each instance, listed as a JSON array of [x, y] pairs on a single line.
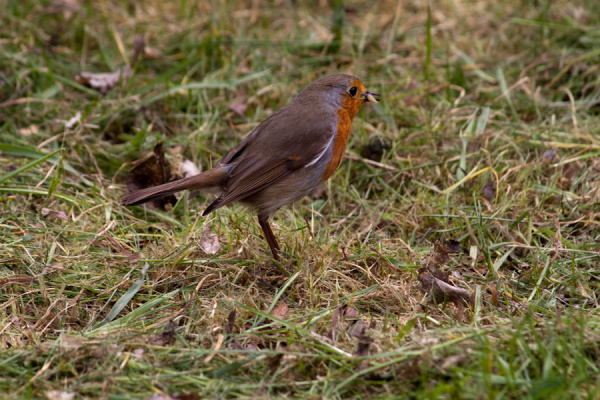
[[211, 178]]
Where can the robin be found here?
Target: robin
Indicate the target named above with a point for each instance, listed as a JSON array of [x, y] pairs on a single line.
[[284, 158]]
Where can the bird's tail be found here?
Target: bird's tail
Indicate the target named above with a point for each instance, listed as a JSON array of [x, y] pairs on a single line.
[[212, 178]]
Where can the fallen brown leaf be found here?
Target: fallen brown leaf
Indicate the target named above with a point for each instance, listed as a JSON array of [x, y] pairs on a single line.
[[275, 362], [167, 336], [280, 310], [452, 246], [364, 342], [351, 313], [151, 171], [440, 254], [489, 191], [55, 214], [359, 328], [235, 345], [494, 292], [103, 82], [230, 322], [239, 106], [440, 290], [375, 148]]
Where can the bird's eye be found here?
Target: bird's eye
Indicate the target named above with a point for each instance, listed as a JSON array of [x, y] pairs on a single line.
[[353, 91]]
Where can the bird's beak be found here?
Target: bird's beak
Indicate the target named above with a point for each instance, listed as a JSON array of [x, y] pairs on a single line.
[[370, 97]]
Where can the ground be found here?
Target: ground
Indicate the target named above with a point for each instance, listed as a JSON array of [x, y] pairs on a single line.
[[454, 254]]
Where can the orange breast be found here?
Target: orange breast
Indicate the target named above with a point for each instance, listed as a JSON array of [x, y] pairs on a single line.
[[350, 106], [341, 141]]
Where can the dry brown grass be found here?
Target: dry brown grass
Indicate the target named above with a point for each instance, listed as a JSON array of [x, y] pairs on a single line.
[[492, 129]]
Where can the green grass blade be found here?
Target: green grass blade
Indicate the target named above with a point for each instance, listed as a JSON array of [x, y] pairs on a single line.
[[29, 165]]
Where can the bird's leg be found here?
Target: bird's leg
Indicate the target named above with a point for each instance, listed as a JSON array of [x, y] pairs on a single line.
[[263, 221]]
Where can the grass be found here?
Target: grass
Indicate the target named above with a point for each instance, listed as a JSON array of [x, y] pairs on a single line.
[[489, 124]]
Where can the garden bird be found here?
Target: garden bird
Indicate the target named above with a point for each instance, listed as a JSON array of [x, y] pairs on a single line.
[[284, 158]]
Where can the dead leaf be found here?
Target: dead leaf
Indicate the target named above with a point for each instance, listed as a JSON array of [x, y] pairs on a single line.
[[188, 168], [564, 183], [30, 130], [376, 148], [103, 82], [235, 345], [238, 106], [55, 214], [572, 170], [209, 242], [167, 336], [230, 322], [489, 191], [351, 313], [494, 292], [439, 274], [452, 246], [251, 347], [440, 254], [364, 342], [138, 48], [440, 290], [359, 328], [275, 362], [280, 310], [151, 171]]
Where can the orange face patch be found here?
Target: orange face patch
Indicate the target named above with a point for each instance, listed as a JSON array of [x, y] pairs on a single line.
[[350, 106]]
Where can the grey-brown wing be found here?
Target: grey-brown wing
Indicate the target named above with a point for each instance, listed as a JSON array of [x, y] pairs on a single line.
[[249, 179], [266, 156]]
